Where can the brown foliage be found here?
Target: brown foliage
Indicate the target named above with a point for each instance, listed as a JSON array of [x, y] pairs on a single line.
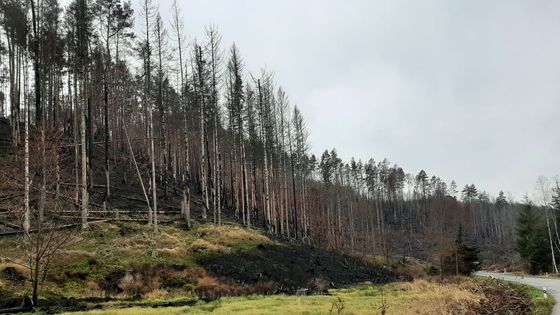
[[210, 288], [152, 280], [502, 298]]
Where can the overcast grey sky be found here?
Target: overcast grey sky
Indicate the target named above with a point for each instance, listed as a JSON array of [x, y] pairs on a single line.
[[467, 90]]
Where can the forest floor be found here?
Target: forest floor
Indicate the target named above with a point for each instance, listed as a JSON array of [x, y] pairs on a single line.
[[124, 268]]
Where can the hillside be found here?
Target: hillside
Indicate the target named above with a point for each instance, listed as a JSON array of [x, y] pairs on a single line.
[[115, 266], [126, 260]]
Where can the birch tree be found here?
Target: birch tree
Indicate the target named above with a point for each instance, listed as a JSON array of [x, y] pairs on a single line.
[[543, 188]]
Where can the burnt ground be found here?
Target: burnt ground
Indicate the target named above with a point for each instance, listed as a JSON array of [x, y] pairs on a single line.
[[294, 267]]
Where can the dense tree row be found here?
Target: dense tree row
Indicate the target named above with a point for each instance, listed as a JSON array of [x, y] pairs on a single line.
[[538, 240], [190, 120]]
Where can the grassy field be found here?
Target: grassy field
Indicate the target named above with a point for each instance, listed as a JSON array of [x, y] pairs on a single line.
[[458, 296], [419, 297], [543, 306]]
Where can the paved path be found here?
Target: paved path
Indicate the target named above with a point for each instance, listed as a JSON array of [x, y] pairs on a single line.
[[552, 285]]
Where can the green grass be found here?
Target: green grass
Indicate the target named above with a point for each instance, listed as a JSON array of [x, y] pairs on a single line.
[[151, 302], [420, 297], [360, 300], [104, 248], [543, 306], [108, 247]]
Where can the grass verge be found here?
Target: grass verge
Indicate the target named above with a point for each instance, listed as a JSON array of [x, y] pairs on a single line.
[[418, 297], [542, 305]]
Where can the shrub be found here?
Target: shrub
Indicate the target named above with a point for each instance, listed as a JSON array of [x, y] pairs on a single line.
[[185, 279], [209, 289], [175, 282], [337, 305], [131, 285], [12, 273], [432, 271], [138, 281], [319, 285], [136, 285], [195, 272], [110, 283], [262, 287], [93, 287], [155, 294]]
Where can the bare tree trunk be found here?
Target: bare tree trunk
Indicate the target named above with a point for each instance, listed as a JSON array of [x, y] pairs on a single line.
[[217, 174], [26, 215], [35, 274], [351, 218], [36, 66], [149, 113], [245, 185], [178, 28], [57, 174], [266, 179], [253, 188], [554, 266], [284, 222], [75, 134], [204, 186], [106, 106], [272, 196], [90, 140], [543, 186], [138, 172], [219, 188], [296, 230], [153, 162], [43, 192], [106, 123], [456, 262], [286, 201], [186, 207], [187, 157], [85, 195]]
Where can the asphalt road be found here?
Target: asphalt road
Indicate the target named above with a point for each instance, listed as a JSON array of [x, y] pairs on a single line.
[[552, 285]]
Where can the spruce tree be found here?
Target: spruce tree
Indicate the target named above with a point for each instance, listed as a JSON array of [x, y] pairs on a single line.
[[532, 239], [467, 255]]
